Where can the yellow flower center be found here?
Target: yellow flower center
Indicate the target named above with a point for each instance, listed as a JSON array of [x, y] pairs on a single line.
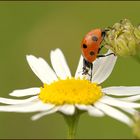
[[70, 91]]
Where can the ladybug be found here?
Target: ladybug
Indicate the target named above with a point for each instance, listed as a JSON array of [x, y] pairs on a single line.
[[90, 48]]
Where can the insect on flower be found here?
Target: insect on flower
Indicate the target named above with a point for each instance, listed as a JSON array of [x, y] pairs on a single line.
[[90, 48]]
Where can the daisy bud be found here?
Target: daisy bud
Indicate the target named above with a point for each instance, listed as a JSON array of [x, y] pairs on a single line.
[[121, 47], [123, 38], [136, 126], [137, 32]]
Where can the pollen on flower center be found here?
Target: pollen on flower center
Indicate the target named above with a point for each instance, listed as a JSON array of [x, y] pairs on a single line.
[[70, 91]]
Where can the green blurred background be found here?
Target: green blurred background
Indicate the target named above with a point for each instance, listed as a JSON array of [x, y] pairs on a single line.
[[38, 27]]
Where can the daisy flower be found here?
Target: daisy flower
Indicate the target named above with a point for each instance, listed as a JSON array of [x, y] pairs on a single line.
[[72, 96]]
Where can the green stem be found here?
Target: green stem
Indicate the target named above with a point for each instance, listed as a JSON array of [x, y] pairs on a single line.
[[72, 126], [72, 122]]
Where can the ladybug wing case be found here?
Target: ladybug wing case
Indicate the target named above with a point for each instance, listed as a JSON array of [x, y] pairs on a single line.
[[90, 45]]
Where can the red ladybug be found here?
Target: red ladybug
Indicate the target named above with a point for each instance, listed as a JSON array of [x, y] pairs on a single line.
[[90, 48]]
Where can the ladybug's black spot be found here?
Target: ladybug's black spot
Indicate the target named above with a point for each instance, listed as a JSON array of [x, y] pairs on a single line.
[[94, 38], [91, 53], [84, 46]]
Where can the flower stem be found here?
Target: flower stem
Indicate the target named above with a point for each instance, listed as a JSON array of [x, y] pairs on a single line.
[[72, 122], [72, 126]]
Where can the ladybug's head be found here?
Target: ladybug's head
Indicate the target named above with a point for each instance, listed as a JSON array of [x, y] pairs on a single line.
[[103, 34]]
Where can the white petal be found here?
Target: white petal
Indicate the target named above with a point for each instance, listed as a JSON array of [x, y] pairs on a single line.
[[118, 103], [47, 70], [122, 90], [59, 64], [131, 98], [79, 68], [25, 92], [114, 113], [93, 111], [129, 110], [82, 106], [15, 101], [41, 69], [27, 107], [39, 115], [103, 67], [67, 109]]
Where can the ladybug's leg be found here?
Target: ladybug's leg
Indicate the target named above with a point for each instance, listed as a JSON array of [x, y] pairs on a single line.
[[100, 49], [86, 67], [104, 55], [91, 71]]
